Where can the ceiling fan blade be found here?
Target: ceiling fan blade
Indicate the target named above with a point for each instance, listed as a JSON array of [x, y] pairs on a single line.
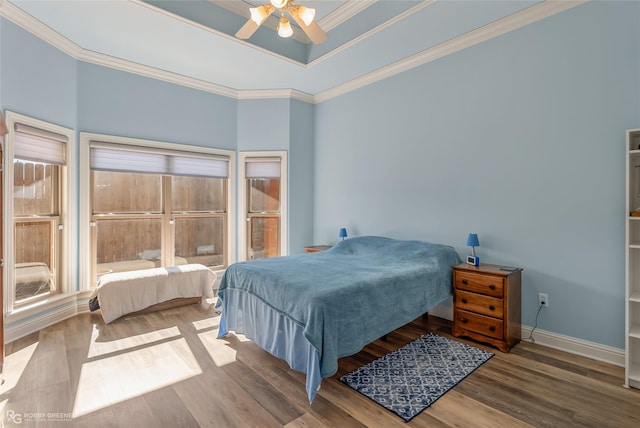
[[247, 30], [313, 30], [258, 16]]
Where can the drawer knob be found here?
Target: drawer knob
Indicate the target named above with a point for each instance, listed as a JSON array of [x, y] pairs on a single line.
[[464, 320], [492, 308], [492, 287], [492, 328], [465, 282], [464, 300]]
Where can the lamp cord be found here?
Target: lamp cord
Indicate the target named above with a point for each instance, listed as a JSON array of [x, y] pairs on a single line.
[[533, 340]]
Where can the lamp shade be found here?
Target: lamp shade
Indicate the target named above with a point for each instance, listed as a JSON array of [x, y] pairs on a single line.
[[472, 240], [305, 13], [342, 233], [284, 28], [261, 13]]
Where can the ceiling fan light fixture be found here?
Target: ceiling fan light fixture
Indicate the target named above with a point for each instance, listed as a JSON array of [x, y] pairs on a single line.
[[279, 4], [305, 13], [261, 13], [284, 28], [303, 16]]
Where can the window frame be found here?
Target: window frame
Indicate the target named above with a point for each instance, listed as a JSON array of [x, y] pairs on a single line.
[[65, 246], [85, 231], [243, 198]]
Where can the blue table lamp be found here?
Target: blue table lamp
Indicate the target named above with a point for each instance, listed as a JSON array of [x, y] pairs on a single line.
[[343, 233], [472, 241]]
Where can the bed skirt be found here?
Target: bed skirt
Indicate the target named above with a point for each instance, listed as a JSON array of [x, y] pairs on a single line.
[[273, 332]]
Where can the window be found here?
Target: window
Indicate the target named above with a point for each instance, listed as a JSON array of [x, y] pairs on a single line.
[[199, 211], [264, 199], [151, 206], [127, 220], [37, 161]]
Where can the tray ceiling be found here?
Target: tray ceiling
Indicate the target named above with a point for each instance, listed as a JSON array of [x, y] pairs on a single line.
[[192, 42]]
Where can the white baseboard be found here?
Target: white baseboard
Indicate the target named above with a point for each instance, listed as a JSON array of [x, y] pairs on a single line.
[[568, 344], [17, 328], [29, 320], [575, 346]]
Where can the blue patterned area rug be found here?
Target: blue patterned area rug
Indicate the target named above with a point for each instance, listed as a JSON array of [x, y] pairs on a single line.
[[411, 378]]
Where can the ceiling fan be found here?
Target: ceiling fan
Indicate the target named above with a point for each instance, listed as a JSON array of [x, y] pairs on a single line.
[[301, 14]]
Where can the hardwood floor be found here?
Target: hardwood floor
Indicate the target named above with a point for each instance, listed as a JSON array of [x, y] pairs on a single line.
[[167, 369]]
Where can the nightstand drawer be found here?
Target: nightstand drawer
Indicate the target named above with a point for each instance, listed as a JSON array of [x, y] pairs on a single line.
[[479, 303], [487, 326], [477, 283]]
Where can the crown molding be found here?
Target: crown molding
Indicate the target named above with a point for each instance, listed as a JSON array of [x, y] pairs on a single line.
[[155, 73], [499, 27], [22, 19], [275, 93], [40, 30], [344, 13], [517, 20], [384, 25]]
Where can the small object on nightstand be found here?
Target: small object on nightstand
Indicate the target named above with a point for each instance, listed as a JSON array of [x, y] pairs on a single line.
[[316, 248], [472, 241], [486, 304]]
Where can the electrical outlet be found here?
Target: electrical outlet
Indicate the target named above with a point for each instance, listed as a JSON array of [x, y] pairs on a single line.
[[543, 299]]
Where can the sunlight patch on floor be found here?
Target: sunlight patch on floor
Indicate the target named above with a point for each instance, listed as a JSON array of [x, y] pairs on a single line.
[[118, 378], [219, 350], [207, 323], [14, 365], [100, 346]]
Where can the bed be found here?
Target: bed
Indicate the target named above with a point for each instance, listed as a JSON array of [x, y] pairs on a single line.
[[133, 292], [311, 309]]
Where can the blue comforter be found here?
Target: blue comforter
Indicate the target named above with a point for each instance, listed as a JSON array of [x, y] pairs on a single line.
[[348, 296]]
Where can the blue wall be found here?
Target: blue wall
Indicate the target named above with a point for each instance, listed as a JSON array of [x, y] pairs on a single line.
[[263, 124], [520, 139], [301, 176], [283, 124], [119, 103], [37, 79]]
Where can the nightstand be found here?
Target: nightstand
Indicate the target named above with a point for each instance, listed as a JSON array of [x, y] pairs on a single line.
[[486, 304], [316, 248]]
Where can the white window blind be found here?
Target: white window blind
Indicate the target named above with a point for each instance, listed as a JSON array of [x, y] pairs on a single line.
[[121, 158], [38, 145], [262, 167]]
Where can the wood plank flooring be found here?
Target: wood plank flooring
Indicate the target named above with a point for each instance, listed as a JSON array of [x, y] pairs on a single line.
[[167, 369]]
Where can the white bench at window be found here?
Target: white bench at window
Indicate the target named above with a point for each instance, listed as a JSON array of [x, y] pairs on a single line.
[[123, 293]]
